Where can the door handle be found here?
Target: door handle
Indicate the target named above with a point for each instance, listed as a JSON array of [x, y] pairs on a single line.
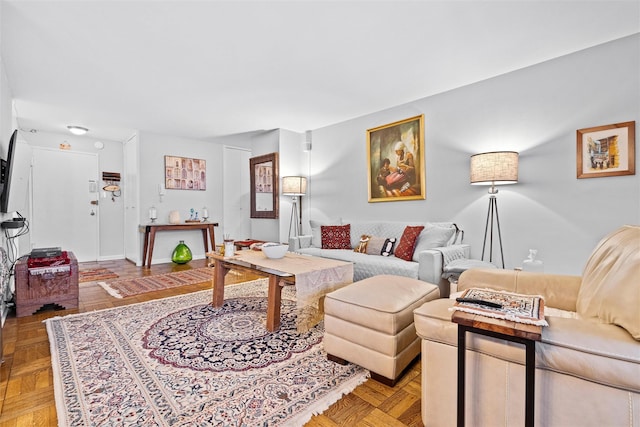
[[94, 202]]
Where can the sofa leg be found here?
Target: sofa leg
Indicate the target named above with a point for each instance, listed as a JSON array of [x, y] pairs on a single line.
[[336, 359], [384, 380]]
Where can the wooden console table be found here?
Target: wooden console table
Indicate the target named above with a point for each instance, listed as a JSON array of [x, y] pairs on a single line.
[[151, 229]]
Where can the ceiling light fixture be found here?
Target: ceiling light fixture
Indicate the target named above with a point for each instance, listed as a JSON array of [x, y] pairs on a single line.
[[77, 130]]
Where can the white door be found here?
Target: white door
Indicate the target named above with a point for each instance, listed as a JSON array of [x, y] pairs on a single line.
[[65, 195], [130, 193], [235, 193]]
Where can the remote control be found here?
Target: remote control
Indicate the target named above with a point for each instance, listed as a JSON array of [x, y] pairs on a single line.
[[480, 302]]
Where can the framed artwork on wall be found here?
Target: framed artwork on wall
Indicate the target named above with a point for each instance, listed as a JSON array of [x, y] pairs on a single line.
[[606, 150], [183, 173], [395, 161]]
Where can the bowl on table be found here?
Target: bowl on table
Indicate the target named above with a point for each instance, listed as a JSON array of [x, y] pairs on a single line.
[[274, 250]]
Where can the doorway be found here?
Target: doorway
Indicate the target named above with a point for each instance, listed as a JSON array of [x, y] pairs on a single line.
[[235, 193], [65, 196]]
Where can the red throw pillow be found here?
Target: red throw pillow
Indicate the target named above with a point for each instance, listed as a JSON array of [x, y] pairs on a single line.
[[407, 243], [336, 236]]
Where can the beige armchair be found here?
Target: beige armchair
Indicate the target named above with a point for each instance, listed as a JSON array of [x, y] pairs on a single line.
[[587, 363]]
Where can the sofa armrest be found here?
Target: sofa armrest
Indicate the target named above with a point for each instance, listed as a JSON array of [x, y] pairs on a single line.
[[558, 291], [299, 242], [431, 263]]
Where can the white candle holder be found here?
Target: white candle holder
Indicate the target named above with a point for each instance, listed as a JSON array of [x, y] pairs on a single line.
[[153, 214]]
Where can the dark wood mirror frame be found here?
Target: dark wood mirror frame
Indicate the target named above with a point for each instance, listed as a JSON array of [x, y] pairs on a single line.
[[263, 171]]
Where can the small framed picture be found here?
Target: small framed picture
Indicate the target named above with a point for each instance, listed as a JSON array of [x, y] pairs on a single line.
[[606, 150]]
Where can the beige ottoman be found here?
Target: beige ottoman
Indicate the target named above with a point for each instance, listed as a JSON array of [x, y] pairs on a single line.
[[370, 323]]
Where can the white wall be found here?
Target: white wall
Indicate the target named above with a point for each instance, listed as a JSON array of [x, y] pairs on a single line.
[[111, 231], [535, 111], [264, 143], [294, 161], [153, 148]]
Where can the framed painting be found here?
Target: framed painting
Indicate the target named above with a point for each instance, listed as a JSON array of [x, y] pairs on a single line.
[[395, 161], [264, 186], [608, 150], [183, 173]]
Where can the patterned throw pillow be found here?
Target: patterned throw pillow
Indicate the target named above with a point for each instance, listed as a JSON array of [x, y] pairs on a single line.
[[336, 236], [362, 246], [407, 243], [380, 246]]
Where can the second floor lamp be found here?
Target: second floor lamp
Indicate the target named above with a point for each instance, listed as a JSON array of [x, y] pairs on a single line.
[[494, 168], [295, 186]]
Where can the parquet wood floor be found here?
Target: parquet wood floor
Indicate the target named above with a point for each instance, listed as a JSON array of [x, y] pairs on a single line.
[[26, 379]]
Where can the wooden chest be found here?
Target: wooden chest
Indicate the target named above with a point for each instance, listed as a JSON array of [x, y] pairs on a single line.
[[37, 287]]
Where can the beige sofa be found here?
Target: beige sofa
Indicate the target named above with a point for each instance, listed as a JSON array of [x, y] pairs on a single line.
[[587, 363]]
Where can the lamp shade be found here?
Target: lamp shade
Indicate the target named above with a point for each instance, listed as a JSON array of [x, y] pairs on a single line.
[[294, 185], [495, 168]]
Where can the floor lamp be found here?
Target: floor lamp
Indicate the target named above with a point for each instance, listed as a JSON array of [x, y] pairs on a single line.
[[495, 168], [294, 186]]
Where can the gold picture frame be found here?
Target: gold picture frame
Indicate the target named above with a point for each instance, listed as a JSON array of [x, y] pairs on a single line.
[[395, 161], [606, 150]]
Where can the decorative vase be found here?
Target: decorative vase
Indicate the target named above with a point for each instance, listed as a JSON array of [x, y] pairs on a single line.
[[174, 217], [181, 254]]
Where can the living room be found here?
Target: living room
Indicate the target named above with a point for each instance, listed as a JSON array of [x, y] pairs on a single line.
[[534, 110]]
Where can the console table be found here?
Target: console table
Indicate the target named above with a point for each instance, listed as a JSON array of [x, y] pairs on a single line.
[[151, 229]]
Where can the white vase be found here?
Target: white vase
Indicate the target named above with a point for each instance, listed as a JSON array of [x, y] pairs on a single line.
[[174, 217]]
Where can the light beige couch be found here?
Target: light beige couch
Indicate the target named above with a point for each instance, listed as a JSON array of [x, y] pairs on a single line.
[[587, 363], [437, 242]]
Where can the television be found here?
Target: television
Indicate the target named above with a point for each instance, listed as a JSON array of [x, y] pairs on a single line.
[[17, 170]]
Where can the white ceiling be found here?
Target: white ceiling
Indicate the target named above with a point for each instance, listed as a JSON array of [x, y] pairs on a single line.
[[201, 69]]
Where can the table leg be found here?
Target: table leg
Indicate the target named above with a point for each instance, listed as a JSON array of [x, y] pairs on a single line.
[[273, 303], [205, 240], [152, 241], [462, 350], [530, 383], [212, 237], [147, 229], [218, 283]]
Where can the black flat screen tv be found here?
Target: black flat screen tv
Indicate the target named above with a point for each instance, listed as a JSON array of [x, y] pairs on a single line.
[[16, 174]]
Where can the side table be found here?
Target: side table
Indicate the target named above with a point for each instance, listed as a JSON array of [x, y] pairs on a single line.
[[51, 285], [502, 329]]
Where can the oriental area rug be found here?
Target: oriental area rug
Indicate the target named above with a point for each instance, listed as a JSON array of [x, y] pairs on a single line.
[[140, 285], [95, 274], [179, 361]]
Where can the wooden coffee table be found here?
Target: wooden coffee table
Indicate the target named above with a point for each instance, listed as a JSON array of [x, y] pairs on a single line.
[[280, 273], [502, 329], [277, 279]]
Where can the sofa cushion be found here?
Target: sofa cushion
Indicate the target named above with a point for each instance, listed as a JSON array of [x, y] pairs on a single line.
[[381, 246], [610, 289], [407, 243], [432, 237], [336, 236], [316, 236]]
